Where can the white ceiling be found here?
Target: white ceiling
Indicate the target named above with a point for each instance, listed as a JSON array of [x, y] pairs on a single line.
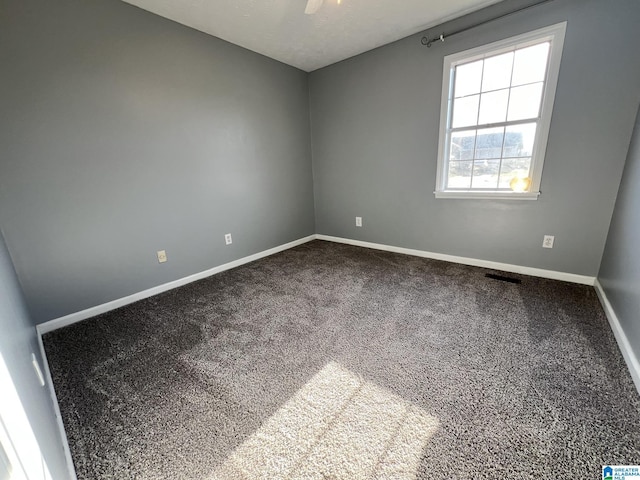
[[280, 29]]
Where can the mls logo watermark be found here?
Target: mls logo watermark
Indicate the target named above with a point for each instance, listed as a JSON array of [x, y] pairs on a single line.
[[621, 472]]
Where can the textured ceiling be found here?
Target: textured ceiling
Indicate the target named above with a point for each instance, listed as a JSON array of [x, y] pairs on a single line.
[[280, 29]]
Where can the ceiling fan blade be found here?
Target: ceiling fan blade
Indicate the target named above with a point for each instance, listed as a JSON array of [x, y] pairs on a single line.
[[313, 6]]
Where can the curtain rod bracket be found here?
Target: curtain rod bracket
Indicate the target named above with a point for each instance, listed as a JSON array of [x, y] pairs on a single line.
[[428, 43]]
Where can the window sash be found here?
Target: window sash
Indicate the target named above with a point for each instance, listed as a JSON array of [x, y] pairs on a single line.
[[473, 159]]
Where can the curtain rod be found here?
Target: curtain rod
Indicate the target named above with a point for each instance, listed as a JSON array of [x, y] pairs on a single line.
[[428, 42]]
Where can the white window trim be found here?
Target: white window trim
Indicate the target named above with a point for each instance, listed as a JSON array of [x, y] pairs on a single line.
[[554, 33]]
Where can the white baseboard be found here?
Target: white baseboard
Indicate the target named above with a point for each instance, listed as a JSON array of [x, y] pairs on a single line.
[[121, 302], [56, 408], [505, 267], [623, 342]]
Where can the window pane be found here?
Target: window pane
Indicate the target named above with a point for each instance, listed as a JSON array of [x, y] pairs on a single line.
[[497, 72], [530, 64], [512, 168], [459, 174], [525, 102], [493, 107], [465, 111], [485, 174], [468, 78], [518, 141], [489, 142], [462, 145]]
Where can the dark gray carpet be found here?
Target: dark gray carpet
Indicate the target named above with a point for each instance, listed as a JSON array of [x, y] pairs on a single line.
[[491, 379]]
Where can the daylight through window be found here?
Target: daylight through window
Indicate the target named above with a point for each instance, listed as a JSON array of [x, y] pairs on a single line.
[[497, 103]]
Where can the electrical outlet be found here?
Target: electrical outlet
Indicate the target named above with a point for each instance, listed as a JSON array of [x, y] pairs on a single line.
[[548, 240], [227, 239], [358, 221], [162, 256]]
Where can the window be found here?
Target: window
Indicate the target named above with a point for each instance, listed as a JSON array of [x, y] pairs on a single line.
[[495, 116]]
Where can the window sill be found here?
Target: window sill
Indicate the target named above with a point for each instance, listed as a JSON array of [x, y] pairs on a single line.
[[471, 195]]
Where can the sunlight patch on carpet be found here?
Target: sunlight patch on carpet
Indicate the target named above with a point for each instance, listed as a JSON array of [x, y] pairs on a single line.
[[336, 426]]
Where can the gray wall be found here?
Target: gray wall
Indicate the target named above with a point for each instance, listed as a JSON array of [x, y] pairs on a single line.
[[17, 341], [620, 269], [124, 133], [375, 122]]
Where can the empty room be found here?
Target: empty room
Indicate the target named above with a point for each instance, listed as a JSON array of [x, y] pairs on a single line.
[[319, 239]]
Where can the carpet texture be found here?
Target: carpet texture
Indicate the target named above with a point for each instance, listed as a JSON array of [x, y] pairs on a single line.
[[330, 361]]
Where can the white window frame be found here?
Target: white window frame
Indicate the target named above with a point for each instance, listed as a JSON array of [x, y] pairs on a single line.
[[555, 35]]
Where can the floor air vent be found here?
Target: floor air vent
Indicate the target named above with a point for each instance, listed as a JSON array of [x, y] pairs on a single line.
[[503, 279]]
